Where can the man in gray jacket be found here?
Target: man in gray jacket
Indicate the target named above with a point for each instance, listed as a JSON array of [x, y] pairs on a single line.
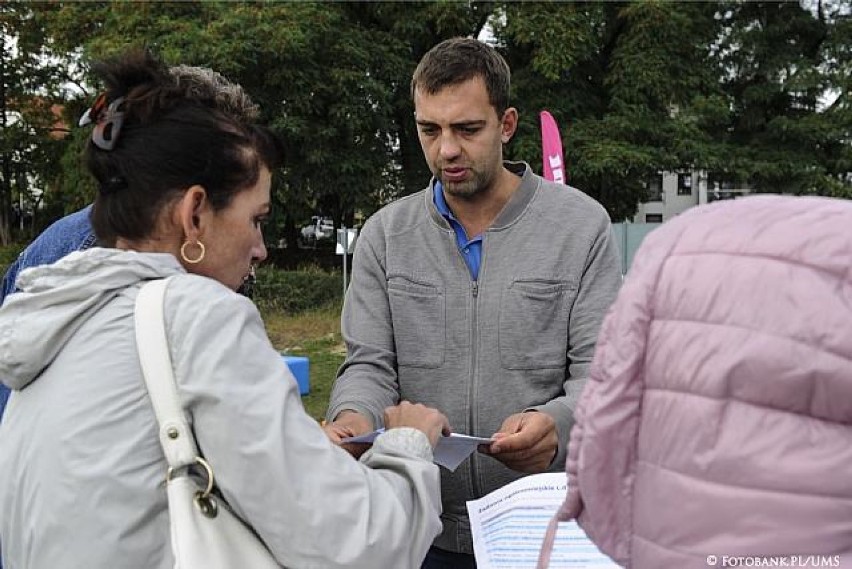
[[481, 295]]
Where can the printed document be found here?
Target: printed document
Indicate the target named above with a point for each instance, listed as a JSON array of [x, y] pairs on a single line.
[[449, 452], [508, 527]]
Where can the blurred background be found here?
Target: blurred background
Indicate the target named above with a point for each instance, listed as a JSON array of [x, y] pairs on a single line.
[[661, 105]]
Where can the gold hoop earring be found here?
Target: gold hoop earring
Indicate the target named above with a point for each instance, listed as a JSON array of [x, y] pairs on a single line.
[[196, 260]]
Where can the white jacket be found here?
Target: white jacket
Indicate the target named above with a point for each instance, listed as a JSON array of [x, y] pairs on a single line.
[[82, 471]]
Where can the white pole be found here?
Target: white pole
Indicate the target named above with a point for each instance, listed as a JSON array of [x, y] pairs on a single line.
[[345, 243]]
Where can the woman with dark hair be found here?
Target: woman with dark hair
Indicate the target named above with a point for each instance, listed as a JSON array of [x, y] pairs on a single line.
[[183, 191]]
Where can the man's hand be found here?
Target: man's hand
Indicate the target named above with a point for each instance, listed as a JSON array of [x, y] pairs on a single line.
[[526, 442], [349, 424]]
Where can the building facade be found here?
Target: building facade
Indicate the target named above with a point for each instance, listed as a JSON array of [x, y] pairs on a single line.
[[671, 193]]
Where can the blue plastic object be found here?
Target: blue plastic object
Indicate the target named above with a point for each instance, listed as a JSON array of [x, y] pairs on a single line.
[[300, 367]]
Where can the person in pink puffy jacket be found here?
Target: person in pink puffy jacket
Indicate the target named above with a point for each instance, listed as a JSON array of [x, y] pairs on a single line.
[[716, 427]]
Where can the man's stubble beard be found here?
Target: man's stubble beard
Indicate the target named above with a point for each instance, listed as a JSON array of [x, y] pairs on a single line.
[[470, 188]]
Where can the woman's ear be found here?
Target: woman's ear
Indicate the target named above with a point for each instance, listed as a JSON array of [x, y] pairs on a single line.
[[192, 212]]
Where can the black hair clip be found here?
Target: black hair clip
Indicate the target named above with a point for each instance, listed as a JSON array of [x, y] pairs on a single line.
[[108, 120]]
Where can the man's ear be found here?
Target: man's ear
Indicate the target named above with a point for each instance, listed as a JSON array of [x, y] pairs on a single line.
[[192, 212], [508, 124]]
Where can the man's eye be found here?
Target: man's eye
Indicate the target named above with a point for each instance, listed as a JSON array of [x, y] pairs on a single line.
[[469, 129], [428, 130]]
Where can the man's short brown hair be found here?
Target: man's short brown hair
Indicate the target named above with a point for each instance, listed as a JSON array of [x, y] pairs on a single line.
[[457, 60]]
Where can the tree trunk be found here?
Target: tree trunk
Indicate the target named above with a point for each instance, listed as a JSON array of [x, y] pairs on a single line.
[[5, 156], [291, 234]]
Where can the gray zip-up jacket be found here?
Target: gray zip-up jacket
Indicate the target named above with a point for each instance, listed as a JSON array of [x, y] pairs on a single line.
[[521, 337], [81, 467]]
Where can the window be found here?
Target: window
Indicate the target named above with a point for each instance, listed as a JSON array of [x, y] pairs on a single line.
[[653, 218], [684, 184], [654, 188]]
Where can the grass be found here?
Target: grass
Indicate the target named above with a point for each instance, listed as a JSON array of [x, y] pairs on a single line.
[[315, 334]]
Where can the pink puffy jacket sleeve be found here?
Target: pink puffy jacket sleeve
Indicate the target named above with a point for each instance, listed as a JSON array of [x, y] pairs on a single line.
[[602, 444]]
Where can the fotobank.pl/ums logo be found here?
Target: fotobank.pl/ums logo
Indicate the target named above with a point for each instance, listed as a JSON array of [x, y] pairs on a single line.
[[773, 560]]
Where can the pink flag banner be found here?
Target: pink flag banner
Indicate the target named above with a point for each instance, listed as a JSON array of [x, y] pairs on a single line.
[[551, 149]]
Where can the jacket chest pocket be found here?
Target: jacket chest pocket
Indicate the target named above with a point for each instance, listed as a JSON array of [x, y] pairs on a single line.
[[533, 329], [418, 312]]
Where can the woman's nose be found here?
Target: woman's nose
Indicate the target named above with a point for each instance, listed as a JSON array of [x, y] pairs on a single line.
[[259, 253]]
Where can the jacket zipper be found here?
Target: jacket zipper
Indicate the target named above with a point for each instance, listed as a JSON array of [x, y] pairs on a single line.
[[474, 343], [474, 340]]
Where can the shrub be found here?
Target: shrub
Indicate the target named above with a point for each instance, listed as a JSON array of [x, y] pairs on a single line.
[[296, 291], [9, 253]]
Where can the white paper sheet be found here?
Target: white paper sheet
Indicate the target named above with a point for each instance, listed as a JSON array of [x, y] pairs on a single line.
[[449, 452], [508, 527]]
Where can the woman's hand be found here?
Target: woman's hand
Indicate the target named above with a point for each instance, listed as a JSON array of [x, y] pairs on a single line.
[[431, 421]]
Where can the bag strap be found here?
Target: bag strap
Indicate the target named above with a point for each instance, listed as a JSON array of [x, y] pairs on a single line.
[[176, 437], [547, 544]]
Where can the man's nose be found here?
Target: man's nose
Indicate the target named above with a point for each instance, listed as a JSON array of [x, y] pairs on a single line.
[[450, 147]]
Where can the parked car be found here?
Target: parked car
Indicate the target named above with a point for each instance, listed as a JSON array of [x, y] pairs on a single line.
[[320, 228]]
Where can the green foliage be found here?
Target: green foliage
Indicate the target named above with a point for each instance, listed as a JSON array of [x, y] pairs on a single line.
[[325, 357], [292, 292], [8, 254], [785, 59], [629, 84], [757, 91], [30, 78]]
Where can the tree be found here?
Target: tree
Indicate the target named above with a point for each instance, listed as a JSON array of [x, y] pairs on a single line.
[[411, 29], [626, 80], [29, 112], [330, 79], [638, 87], [784, 59]]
